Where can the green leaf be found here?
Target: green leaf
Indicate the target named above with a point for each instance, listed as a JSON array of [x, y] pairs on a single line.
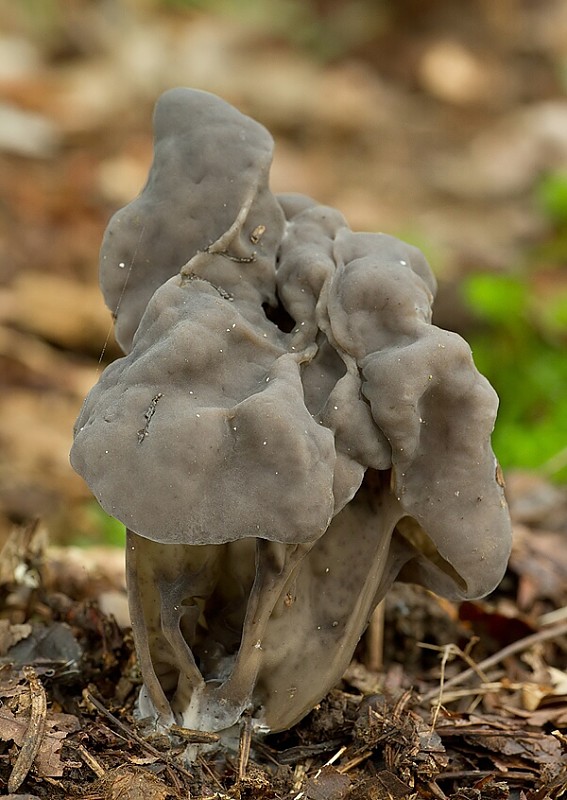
[[552, 197], [496, 298]]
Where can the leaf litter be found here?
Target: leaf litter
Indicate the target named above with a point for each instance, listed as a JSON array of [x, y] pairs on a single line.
[[447, 724]]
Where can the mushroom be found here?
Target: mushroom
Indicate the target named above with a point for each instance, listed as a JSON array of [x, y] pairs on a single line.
[[287, 435], [207, 155]]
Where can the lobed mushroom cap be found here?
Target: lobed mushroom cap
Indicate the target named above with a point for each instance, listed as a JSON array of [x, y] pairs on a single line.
[[284, 383], [200, 435], [207, 155]]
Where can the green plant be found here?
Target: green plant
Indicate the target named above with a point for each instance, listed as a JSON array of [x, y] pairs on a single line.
[[552, 197], [520, 346], [97, 528]]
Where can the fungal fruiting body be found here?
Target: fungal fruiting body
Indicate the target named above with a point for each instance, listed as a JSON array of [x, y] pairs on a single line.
[[286, 435]]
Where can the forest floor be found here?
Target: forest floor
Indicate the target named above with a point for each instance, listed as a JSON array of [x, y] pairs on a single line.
[[439, 131]]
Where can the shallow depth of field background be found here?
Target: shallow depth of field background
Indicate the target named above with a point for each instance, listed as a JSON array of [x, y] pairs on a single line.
[[443, 122]]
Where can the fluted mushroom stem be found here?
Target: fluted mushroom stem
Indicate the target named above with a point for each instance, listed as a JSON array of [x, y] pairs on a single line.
[[141, 634], [221, 706]]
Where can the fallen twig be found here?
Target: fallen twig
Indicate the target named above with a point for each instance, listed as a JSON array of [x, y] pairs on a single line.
[[36, 726], [516, 647], [244, 748], [91, 761], [194, 737], [354, 761], [89, 697]]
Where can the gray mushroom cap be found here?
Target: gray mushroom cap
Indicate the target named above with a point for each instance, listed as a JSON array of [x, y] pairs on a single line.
[[219, 425], [432, 413], [200, 435], [207, 155], [288, 434]]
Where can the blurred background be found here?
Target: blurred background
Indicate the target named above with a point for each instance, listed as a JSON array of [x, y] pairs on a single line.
[[443, 122]]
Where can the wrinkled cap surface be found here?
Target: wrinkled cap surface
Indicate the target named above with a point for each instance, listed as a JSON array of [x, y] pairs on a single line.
[[204, 436], [287, 435], [411, 399], [207, 155], [222, 422]]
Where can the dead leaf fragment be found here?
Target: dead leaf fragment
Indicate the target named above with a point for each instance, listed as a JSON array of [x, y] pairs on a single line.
[[384, 786], [57, 727], [328, 784], [60, 310], [12, 634], [534, 694], [133, 783], [34, 731]]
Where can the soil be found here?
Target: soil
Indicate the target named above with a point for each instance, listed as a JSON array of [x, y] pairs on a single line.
[[444, 118]]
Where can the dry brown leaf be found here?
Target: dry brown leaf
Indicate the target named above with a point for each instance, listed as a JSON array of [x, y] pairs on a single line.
[[534, 694], [57, 727], [60, 310], [133, 783], [384, 786], [539, 558], [12, 634], [328, 784], [548, 715]]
